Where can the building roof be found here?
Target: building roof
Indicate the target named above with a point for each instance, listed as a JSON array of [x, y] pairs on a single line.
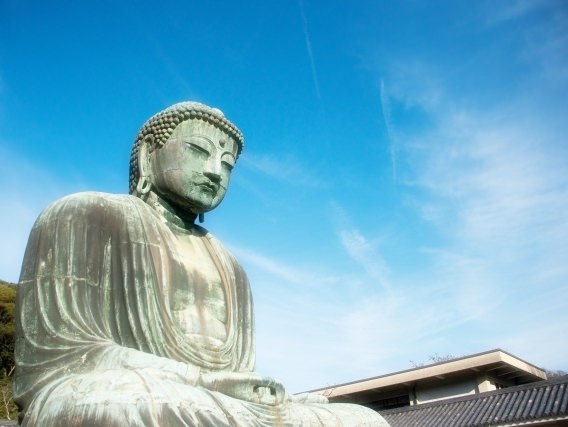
[[498, 362], [519, 405]]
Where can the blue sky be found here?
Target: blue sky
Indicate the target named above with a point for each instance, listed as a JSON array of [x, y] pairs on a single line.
[[404, 185]]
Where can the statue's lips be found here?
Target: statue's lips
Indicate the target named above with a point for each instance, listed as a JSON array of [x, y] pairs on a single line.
[[208, 187]]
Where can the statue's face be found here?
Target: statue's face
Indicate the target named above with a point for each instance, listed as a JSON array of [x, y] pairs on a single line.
[[193, 168]]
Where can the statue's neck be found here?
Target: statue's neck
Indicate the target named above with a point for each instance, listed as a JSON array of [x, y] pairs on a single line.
[[169, 212]]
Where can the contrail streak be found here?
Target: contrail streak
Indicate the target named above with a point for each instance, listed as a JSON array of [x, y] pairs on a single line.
[[309, 49], [385, 106]]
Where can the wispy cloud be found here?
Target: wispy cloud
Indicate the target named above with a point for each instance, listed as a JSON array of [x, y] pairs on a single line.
[[413, 83], [503, 182], [506, 11], [546, 46], [283, 271], [283, 168], [309, 48], [360, 249], [496, 187], [492, 181]]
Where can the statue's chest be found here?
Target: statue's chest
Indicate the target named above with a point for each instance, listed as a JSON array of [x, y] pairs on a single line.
[[198, 299]]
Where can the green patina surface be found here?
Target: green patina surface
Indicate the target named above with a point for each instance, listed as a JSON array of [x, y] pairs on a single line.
[[128, 313]]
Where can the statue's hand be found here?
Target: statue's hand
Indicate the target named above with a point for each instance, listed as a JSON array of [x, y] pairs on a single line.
[[307, 398], [247, 386]]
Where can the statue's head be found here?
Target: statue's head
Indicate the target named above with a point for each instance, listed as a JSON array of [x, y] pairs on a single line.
[[185, 155]]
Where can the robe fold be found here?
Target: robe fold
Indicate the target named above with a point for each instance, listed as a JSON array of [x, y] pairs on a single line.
[[98, 344]]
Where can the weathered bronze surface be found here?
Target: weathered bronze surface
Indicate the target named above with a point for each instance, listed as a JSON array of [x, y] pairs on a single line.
[[129, 314]]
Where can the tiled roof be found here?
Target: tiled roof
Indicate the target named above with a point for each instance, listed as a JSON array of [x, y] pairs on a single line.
[[529, 402]]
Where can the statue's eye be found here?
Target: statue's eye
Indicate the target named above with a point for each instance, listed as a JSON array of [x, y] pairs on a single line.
[[202, 148], [228, 161], [199, 149]]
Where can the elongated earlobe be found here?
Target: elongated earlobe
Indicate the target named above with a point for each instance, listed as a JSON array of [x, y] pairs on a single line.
[[144, 182], [144, 185]]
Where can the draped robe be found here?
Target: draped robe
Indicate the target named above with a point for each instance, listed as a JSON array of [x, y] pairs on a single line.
[[98, 343]]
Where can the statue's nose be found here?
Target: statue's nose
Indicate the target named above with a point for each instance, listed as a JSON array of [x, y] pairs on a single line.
[[213, 169], [215, 177]]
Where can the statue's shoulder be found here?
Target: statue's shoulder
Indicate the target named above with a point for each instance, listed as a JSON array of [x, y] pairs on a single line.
[[92, 204], [206, 233], [89, 200], [216, 243]]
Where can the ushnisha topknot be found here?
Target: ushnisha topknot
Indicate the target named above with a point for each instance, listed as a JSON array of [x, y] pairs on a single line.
[[161, 125]]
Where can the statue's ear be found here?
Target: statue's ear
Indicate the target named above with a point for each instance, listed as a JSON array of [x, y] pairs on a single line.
[[144, 156], [144, 170]]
